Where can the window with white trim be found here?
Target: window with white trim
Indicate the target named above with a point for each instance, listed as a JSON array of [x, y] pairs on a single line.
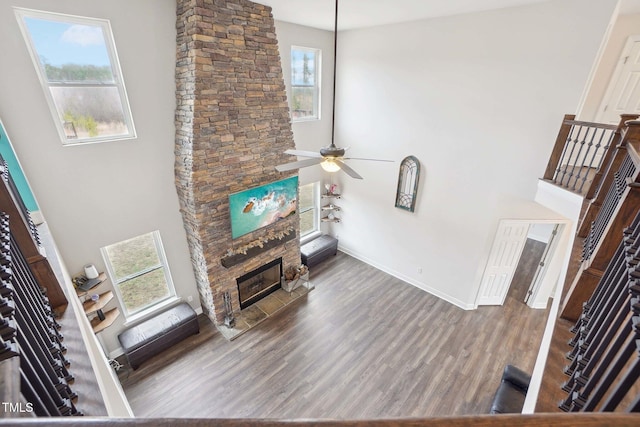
[[309, 208], [305, 83], [76, 62], [139, 272]]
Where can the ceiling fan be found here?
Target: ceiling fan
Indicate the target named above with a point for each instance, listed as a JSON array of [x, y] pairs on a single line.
[[330, 157]]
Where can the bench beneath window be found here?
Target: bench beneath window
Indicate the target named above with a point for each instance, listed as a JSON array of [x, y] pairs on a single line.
[[146, 339], [317, 250]]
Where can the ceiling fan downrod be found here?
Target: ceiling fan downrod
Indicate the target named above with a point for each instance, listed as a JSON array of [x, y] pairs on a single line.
[[333, 99]]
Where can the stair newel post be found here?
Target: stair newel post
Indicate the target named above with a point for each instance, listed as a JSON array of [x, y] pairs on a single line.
[[558, 148]]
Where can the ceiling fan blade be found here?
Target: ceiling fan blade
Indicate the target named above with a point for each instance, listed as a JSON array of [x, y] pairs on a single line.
[[297, 165], [347, 169], [303, 153], [372, 160]]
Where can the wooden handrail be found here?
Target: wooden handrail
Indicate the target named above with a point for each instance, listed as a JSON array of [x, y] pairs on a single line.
[[592, 419]]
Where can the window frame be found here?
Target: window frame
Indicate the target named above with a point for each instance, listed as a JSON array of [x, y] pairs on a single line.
[[150, 307], [316, 217], [317, 84], [114, 62]]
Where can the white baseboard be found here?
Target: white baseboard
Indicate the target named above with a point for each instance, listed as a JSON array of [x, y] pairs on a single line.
[[409, 280]]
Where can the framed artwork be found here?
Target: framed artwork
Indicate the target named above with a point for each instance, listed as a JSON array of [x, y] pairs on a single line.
[[261, 206], [408, 183]]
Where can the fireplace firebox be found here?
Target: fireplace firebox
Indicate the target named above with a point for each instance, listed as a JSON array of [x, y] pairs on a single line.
[[259, 283]]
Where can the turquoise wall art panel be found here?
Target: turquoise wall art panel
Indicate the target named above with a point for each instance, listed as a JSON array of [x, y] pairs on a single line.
[[6, 150]]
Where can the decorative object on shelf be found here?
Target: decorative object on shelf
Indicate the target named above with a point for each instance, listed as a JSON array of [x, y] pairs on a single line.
[[229, 319], [95, 304], [90, 271], [330, 209], [408, 178], [83, 283], [260, 242], [331, 158], [294, 277]]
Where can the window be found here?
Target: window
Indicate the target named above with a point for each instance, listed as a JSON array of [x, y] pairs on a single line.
[[76, 61], [305, 83], [139, 272], [309, 212]]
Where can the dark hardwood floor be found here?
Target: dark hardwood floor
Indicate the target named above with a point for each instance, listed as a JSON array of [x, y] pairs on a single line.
[[526, 269], [362, 345]]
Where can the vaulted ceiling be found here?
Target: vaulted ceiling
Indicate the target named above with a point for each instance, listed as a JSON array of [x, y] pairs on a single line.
[[368, 13]]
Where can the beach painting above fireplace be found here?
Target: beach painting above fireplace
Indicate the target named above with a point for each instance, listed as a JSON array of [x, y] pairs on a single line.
[[261, 206]]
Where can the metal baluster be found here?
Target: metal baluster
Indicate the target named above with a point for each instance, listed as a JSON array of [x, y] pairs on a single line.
[[25, 284], [53, 403], [603, 316], [603, 289], [596, 146], [560, 170], [32, 351], [577, 161], [607, 380], [586, 379]]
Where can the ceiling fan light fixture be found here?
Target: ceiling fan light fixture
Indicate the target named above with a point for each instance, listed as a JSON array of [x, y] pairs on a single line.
[[329, 165]]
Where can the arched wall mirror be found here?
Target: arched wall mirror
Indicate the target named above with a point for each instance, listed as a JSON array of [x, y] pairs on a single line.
[[408, 183]]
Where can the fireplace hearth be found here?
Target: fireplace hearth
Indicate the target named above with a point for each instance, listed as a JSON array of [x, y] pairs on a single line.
[[259, 283]]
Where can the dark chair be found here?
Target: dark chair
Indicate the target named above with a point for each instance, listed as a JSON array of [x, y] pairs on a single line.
[[509, 398]]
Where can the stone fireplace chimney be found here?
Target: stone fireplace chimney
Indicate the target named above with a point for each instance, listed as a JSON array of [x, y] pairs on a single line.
[[232, 127]]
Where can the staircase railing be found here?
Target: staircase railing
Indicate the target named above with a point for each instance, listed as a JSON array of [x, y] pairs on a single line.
[[604, 364], [612, 210], [582, 151]]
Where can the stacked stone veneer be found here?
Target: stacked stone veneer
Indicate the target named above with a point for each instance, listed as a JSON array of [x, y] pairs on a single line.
[[232, 127]]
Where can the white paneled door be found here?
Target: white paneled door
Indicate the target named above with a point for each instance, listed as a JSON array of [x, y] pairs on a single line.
[[503, 260], [623, 93]]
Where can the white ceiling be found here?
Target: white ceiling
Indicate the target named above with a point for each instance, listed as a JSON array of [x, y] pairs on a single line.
[[367, 13]]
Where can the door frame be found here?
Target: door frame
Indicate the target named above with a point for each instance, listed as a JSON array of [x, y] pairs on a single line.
[[615, 77], [544, 263], [548, 279], [502, 263]]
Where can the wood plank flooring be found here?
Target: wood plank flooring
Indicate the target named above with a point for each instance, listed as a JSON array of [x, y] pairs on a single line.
[[362, 345]]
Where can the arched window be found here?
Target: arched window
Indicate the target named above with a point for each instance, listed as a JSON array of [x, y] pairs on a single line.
[[408, 183]]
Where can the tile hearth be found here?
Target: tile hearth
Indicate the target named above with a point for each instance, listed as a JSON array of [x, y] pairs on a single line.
[[263, 309]]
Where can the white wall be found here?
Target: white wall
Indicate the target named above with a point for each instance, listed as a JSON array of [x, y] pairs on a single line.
[[311, 135], [478, 98], [98, 194], [540, 232], [625, 26]]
